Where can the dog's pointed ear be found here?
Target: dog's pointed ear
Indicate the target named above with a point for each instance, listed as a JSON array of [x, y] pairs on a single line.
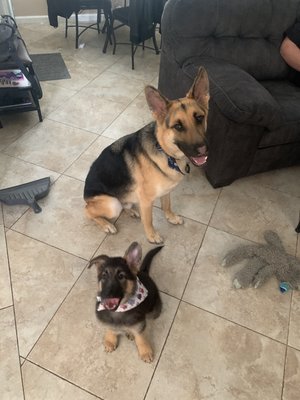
[[98, 261], [133, 256], [157, 103], [200, 88]]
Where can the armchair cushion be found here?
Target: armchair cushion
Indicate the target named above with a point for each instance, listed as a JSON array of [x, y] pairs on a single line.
[[239, 96]]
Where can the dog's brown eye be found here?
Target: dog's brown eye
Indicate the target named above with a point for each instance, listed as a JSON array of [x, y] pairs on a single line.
[[199, 118], [121, 276], [179, 127]]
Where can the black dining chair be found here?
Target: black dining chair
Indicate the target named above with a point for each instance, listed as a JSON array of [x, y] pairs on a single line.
[[142, 17], [83, 5]]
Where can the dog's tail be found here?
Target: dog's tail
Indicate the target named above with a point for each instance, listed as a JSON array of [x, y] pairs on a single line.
[[145, 267]]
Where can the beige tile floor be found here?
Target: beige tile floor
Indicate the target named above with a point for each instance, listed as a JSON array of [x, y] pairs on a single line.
[[211, 341]]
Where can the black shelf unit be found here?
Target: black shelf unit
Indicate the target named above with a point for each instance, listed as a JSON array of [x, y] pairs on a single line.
[[23, 95], [17, 98]]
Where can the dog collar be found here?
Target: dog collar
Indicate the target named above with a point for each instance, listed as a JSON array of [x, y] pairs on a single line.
[[172, 161], [136, 299]]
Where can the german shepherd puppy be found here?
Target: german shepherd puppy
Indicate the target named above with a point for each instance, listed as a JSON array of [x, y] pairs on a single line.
[[126, 295], [140, 167]]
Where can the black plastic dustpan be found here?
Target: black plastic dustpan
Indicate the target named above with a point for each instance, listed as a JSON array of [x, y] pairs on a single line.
[[28, 193]]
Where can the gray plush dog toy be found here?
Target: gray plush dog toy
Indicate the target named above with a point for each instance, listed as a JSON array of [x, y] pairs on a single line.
[[264, 261]]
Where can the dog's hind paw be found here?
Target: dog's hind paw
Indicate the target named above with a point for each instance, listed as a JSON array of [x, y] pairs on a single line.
[[133, 213], [110, 228]]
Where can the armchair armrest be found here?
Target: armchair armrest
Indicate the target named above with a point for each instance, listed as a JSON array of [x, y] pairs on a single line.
[[239, 96]]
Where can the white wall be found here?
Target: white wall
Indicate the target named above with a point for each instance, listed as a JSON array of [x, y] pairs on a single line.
[[24, 8]]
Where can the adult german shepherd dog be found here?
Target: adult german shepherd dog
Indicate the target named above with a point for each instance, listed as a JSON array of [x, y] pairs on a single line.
[[140, 167]]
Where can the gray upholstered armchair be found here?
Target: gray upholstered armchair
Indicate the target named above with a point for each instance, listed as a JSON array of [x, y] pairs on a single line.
[[254, 118]]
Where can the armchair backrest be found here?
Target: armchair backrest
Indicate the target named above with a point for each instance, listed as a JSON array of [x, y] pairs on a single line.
[[246, 33]]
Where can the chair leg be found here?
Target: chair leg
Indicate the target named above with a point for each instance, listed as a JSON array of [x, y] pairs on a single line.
[[98, 19], [155, 42], [132, 55], [66, 28], [113, 37], [108, 27], [77, 30]]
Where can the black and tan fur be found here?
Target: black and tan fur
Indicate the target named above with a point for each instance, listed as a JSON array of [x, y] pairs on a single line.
[[134, 171], [117, 280]]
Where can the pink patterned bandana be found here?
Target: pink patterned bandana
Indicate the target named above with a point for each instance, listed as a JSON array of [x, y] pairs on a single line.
[[137, 298]]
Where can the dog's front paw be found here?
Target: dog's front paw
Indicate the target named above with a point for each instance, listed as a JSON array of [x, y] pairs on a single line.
[[174, 219], [129, 336], [148, 356], [109, 347], [155, 238]]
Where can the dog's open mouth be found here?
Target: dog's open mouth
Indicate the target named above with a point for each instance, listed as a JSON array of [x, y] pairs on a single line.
[[201, 158], [111, 303]]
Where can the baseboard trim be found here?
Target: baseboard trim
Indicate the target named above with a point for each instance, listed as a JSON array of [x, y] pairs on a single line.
[[85, 17], [32, 18]]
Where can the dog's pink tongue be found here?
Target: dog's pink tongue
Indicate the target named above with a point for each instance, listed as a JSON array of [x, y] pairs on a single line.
[[201, 158], [111, 303]]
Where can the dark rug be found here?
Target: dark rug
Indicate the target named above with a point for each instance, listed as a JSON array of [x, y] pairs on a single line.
[[49, 67]]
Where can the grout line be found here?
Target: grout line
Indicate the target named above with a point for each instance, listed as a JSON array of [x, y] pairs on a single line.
[[162, 350], [48, 244], [63, 300], [13, 308], [287, 343], [62, 378], [235, 323]]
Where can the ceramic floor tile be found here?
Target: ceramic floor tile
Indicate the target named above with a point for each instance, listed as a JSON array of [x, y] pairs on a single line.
[[209, 358], [248, 210], [79, 169], [62, 223], [134, 117], [111, 376], [146, 65], [285, 180], [88, 112], [194, 197], [16, 172], [32, 31], [31, 146], [170, 268], [292, 375], [15, 125], [265, 310], [10, 374], [41, 278], [54, 97], [82, 71], [5, 292], [40, 384], [294, 331], [109, 86]]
